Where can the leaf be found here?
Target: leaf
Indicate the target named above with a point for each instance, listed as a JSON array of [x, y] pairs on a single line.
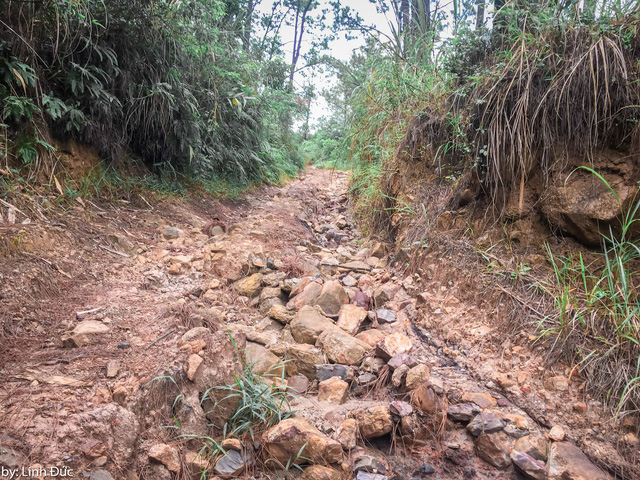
[[58, 186], [24, 85]]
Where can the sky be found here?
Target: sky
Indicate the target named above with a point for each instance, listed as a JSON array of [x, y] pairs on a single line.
[[340, 49]]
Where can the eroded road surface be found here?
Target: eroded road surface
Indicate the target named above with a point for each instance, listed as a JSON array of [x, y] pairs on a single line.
[[119, 321]]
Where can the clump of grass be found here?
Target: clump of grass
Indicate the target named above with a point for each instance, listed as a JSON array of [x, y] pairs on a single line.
[[597, 319], [263, 400]]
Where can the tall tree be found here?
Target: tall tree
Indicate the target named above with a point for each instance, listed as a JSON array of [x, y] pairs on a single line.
[[302, 8]]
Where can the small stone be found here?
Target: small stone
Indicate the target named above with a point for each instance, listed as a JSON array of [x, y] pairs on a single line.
[[417, 376], [556, 384], [318, 472], [392, 345], [349, 281], [402, 409], [534, 446], [568, 462], [371, 337], [347, 433], [333, 390], [298, 384], [327, 370], [303, 358], [308, 324], [280, 313], [113, 367], [382, 315], [503, 402], [424, 469], [351, 317], [529, 466], [485, 422], [483, 400], [193, 363], [332, 297], [492, 449], [171, 233], [369, 464], [231, 464], [374, 421], [366, 379], [397, 379], [370, 476], [166, 455], [402, 359], [580, 407], [556, 433], [361, 299], [340, 347], [425, 399], [385, 293], [296, 438], [250, 286], [100, 474], [463, 412]]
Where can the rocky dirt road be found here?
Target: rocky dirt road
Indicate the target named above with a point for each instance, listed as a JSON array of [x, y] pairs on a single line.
[[118, 321]]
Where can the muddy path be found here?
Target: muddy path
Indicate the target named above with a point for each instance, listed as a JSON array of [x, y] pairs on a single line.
[[117, 322]]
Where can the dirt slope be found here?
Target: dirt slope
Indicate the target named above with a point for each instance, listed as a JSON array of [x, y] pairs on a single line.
[[98, 302]]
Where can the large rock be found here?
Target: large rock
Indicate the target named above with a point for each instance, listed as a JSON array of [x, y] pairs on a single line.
[[347, 433], [568, 462], [351, 317], [307, 296], [340, 347], [86, 332], [463, 412], [318, 472], [485, 422], [417, 376], [333, 390], [371, 337], [583, 206], [374, 421], [294, 439], [308, 324], [332, 298], [529, 466], [534, 446], [425, 399], [302, 359]]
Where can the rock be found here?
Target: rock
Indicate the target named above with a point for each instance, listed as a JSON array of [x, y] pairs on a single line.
[[556, 384], [340, 347], [556, 433], [250, 286], [485, 422], [371, 337], [351, 317], [401, 409], [230, 465], [582, 205], [384, 293], [100, 474], [370, 476], [308, 296], [170, 233], [568, 462], [372, 365], [308, 324], [329, 370], [463, 412], [302, 359], [166, 455], [392, 345], [280, 313], [529, 466], [378, 250], [492, 449], [369, 464], [332, 298], [193, 363], [402, 359], [333, 390], [416, 376], [483, 400], [294, 438], [425, 399], [361, 299], [347, 433], [298, 286], [318, 472], [534, 446], [349, 281], [158, 472], [263, 362], [197, 463], [298, 384], [10, 458], [85, 333], [397, 378], [113, 367], [382, 315], [374, 421]]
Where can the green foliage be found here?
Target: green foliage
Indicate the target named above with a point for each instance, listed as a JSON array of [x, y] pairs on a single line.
[[263, 400]]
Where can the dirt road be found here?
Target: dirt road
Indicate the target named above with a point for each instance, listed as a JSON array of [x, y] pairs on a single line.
[[116, 321]]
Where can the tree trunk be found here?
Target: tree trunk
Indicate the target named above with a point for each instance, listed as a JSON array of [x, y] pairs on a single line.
[[480, 14], [301, 16], [246, 39]]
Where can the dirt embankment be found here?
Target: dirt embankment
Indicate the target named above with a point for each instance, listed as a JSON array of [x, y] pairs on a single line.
[[118, 321]]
